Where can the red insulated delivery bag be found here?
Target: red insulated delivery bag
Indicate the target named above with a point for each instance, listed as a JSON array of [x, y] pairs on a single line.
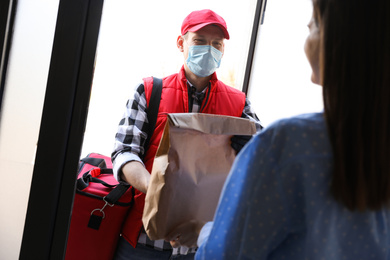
[[100, 207]]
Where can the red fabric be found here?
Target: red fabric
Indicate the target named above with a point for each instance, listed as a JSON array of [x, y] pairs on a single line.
[[82, 240], [223, 100]]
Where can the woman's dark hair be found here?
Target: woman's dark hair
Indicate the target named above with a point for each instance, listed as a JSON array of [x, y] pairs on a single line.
[[356, 93]]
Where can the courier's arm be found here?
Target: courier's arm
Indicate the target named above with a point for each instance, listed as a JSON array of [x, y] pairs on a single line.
[[239, 141], [250, 114], [129, 142], [135, 173]]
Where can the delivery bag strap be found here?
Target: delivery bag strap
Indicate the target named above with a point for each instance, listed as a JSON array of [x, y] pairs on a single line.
[[114, 195], [152, 110], [97, 162]]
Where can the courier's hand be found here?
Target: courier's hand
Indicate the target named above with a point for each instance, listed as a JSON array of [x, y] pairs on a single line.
[[185, 234]]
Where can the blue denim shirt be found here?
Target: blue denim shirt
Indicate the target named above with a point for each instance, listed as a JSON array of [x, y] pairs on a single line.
[[276, 203]]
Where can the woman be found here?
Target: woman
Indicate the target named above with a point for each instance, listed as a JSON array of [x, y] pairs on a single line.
[[317, 186]]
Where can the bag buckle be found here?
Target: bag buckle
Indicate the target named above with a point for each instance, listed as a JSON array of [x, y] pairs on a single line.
[[96, 220]]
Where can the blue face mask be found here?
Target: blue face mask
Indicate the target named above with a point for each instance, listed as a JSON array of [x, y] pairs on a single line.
[[203, 60]]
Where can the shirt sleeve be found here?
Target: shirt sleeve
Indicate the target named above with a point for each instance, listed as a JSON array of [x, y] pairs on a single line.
[[204, 233], [132, 132], [250, 221], [250, 114]]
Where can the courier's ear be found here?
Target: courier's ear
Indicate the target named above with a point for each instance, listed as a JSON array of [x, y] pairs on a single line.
[[179, 43]]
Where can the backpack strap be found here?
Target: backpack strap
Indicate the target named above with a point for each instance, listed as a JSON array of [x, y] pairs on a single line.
[[152, 110]]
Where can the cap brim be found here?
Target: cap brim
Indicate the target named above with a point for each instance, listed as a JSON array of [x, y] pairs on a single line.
[[200, 26]]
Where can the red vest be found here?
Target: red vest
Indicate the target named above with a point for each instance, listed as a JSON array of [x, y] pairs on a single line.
[[220, 99]]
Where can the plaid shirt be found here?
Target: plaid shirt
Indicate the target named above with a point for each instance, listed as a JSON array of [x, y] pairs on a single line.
[[131, 137]]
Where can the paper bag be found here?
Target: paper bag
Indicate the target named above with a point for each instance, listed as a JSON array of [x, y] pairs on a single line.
[[192, 162]]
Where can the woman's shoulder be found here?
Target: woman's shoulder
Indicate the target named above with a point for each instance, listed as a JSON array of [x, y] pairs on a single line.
[[295, 134], [310, 122], [301, 121]]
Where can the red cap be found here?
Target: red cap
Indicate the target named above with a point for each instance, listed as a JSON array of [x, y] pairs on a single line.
[[199, 19]]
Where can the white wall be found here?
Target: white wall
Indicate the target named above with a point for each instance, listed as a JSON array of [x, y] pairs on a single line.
[[21, 115], [281, 76]]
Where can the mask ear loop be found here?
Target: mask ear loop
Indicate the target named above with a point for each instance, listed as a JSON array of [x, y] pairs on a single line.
[[217, 55]]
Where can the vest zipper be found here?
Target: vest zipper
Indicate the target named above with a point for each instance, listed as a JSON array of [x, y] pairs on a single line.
[[190, 99], [206, 99]]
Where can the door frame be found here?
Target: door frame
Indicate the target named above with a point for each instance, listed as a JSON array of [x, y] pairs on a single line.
[[62, 129], [7, 18], [63, 124]]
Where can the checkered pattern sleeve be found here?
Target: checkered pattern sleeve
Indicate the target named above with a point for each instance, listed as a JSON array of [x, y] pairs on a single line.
[[250, 114], [132, 131]]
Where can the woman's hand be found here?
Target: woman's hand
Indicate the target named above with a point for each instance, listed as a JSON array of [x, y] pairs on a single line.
[[185, 234]]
